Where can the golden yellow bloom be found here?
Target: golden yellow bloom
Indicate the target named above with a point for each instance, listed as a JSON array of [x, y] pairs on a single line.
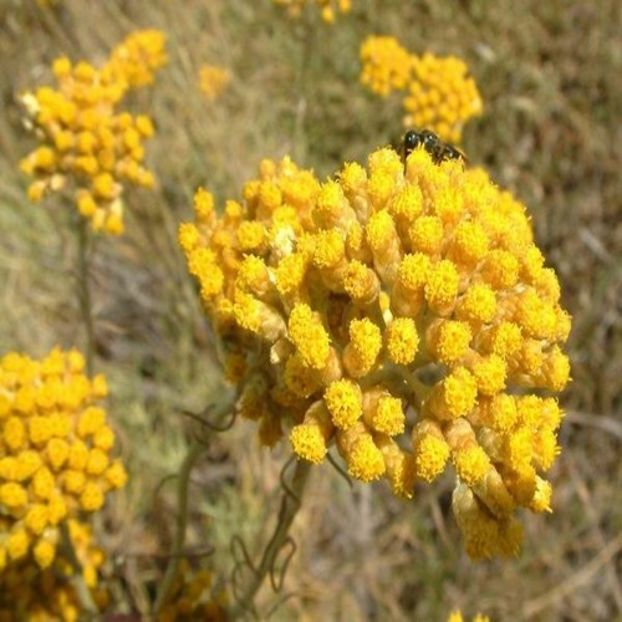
[[213, 80], [456, 616], [136, 59], [387, 66], [371, 278], [45, 592], [328, 8], [54, 451], [442, 96], [88, 148]]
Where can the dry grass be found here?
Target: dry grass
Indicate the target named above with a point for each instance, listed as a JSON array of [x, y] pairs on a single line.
[[549, 74]]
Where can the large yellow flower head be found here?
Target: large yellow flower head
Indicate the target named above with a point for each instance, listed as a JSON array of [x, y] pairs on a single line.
[[442, 96], [55, 452], [387, 66], [30, 593], [88, 148], [213, 80], [329, 9], [401, 313]]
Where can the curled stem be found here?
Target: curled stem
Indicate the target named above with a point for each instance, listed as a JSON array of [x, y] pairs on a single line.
[[84, 292], [183, 481], [290, 505], [81, 590], [192, 456]]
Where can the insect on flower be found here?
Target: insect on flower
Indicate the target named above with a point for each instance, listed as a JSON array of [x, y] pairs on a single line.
[[436, 148]]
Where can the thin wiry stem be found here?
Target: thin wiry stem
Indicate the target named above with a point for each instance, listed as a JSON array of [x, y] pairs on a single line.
[[183, 481], [84, 291], [192, 456], [290, 504]]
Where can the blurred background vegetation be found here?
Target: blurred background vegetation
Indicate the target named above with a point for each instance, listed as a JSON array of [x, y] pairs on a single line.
[[549, 74]]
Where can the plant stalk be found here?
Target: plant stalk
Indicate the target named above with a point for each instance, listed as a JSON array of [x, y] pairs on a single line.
[[290, 505], [179, 542]]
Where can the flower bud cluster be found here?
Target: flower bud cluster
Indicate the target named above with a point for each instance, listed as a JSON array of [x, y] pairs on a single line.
[[137, 58], [87, 146], [456, 616], [401, 313], [387, 66], [213, 80], [55, 447], [329, 9], [29, 593], [441, 96], [193, 598]]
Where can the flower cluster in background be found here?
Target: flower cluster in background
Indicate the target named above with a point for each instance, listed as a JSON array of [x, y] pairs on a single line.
[[456, 616], [393, 306], [193, 597], [55, 447], [29, 593], [88, 148], [138, 57], [213, 80], [329, 9], [387, 66], [441, 96]]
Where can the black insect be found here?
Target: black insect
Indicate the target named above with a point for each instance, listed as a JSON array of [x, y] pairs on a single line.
[[438, 150]]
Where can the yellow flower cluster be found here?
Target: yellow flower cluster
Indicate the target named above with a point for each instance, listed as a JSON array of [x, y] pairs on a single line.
[[442, 96], [88, 147], [456, 616], [328, 8], [213, 80], [393, 305], [387, 66], [29, 593], [55, 449], [137, 58], [193, 598]]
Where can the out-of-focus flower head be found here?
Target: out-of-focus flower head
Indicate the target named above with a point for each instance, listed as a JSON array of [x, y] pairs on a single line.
[[213, 80], [87, 146], [193, 597], [442, 96], [137, 58], [55, 452], [28, 592], [456, 616], [400, 313], [329, 9], [387, 66]]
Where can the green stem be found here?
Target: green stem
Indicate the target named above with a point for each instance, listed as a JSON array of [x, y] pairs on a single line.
[[84, 292], [81, 590], [290, 505], [179, 542]]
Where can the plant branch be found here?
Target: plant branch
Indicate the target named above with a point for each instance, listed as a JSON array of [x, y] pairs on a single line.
[[194, 451], [192, 456], [290, 505]]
